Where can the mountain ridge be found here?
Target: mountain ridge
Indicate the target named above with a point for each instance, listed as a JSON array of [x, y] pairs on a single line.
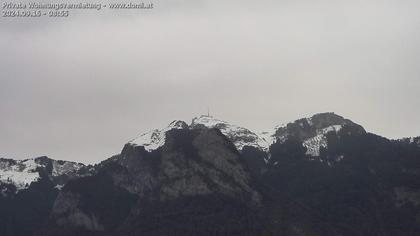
[[21, 173], [311, 131], [322, 175]]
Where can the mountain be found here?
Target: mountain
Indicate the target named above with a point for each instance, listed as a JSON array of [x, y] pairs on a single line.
[[154, 139], [357, 184], [194, 183], [321, 175], [312, 131], [20, 174], [240, 136], [28, 189]]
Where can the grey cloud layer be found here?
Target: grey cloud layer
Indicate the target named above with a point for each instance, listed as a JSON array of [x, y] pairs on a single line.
[[79, 88]]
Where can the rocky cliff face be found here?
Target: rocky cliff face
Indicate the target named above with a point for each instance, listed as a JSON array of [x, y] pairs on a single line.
[[200, 164], [191, 162]]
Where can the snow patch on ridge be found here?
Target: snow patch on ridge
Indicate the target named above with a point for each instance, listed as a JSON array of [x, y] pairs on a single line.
[[21, 174], [314, 144], [240, 136], [155, 139], [268, 138], [65, 167]]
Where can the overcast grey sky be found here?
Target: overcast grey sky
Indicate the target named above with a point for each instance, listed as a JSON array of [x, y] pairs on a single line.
[[81, 87]]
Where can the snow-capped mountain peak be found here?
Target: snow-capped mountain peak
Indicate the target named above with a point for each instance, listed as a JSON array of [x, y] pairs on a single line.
[[240, 136], [154, 139], [311, 131], [21, 173]]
